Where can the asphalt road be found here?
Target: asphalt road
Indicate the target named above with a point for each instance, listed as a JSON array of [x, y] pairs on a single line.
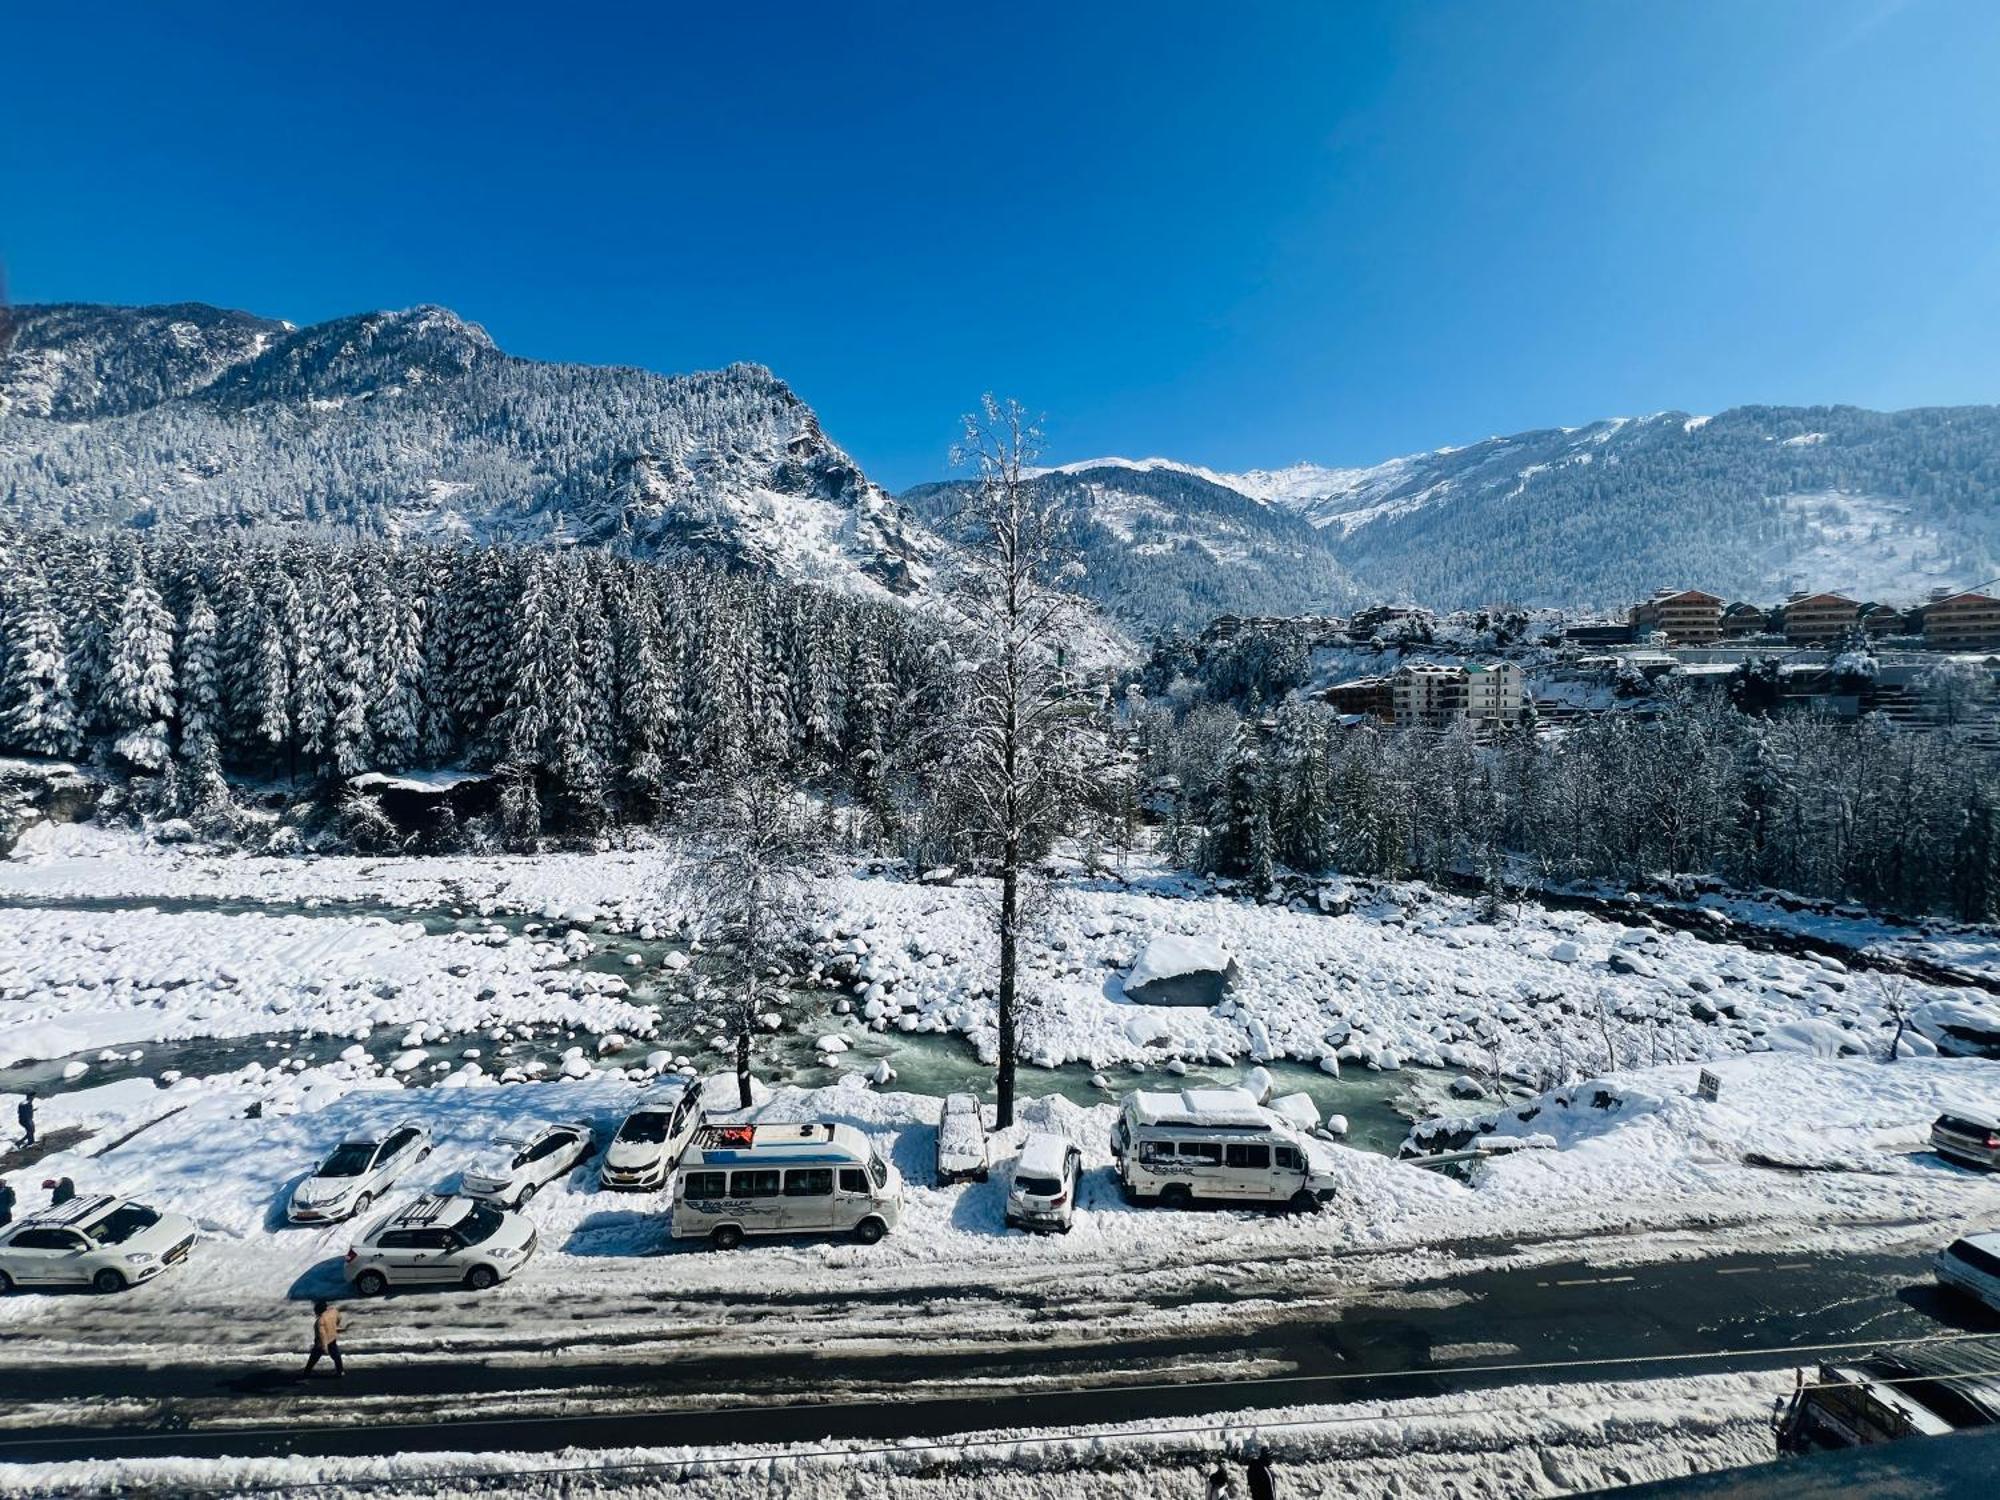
[[1546, 1324]]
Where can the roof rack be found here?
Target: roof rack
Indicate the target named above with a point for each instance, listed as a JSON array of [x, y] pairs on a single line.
[[82, 1207], [426, 1210]]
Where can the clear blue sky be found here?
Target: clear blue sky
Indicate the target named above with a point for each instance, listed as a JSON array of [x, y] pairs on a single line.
[[1238, 234]]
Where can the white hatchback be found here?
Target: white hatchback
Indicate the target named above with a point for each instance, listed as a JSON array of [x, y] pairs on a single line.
[[439, 1241], [522, 1162], [101, 1242]]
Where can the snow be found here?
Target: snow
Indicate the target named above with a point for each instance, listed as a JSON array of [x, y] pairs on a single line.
[[1173, 955], [1199, 1107], [1042, 1155], [416, 781]]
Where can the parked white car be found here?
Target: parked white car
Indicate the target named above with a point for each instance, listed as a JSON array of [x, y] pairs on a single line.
[[649, 1143], [1972, 1266], [1970, 1136], [1043, 1192], [961, 1141], [440, 1241], [357, 1172], [520, 1163], [99, 1241]]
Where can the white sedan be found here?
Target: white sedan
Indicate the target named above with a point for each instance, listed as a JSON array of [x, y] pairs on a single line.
[[961, 1141], [520, 1163], [357, 1172]]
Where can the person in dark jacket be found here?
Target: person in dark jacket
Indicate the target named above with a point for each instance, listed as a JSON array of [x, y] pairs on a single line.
[[1262, 1486], [61, 1190], [7, 1201], [1222, 1484], [25, 1113], [326, 1337]]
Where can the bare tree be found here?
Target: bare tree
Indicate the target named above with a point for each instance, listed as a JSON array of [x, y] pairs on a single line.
[[1895, 994], [753, 842], [1020, 724]]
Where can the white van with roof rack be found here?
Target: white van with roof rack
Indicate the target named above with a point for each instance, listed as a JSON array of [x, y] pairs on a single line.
[[1216, 1145], [813, 1177]]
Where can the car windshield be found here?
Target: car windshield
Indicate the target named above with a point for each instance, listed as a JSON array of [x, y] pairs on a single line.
[[1039, 1187], [121, 1224], [350, 1160], [877, 1171], [478, 1225], [648, 1127]]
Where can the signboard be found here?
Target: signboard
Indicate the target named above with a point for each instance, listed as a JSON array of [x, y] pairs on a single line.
[[1707, 1087]]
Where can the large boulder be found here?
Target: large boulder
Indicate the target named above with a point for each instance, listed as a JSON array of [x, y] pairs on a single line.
[[1180, 970]]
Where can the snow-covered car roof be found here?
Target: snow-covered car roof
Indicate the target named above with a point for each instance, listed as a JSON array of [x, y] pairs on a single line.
[[961, 1134], [1985, 1119], [1043, 1155], [961, 1104], [1221, 1106]]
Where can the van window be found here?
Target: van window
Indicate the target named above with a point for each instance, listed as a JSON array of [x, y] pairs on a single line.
[[1249, 1154], [1209, 1152], [853, 1180], [1288, 1156], [878, 1171], [1156, 1151], [809, 1182], [753, 1184], [705, 1185]]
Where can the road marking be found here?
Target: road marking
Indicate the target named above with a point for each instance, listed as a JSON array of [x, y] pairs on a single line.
[[1594, 1281]]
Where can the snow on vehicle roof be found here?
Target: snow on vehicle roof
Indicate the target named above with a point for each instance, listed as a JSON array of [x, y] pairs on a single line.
[[1043, 1155], [1172, 954], [72, 1211], [1224, 1106], [961, 1104], [429, 1209], [1986, 1119]]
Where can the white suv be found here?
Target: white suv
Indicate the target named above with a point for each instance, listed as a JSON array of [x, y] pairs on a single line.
[[437, 1241], [1043, 1192], [357, 1172], [1972, 1265], [101, 1242]]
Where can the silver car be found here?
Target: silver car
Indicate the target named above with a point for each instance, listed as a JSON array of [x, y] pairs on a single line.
[[519, 1164], [440, 1241], [356, 1173], [101, 1242], [1972, 1266], [1970, 1136]]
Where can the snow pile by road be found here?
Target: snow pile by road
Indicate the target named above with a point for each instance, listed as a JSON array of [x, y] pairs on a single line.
[[1528, 1440]]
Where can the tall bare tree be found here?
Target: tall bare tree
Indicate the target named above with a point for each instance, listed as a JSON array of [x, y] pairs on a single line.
[[1021, 724], [754, 844]]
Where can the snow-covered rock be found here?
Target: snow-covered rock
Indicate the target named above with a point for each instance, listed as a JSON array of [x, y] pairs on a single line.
[[1176, 969]]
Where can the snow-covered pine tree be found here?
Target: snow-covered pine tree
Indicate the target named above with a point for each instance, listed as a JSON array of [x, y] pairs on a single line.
[[37, 706], [139, 682]]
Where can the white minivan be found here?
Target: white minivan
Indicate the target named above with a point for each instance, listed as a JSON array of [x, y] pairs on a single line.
[[1043, 1192], [809, 1178], [1216, 1145]]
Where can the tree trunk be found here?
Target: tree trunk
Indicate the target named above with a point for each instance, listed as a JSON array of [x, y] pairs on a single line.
[[743, 1066], [1010, 903]]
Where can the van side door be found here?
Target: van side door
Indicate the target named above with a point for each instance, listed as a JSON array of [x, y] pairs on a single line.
[[1246, 1170], [853, 1198], [808, 1199]]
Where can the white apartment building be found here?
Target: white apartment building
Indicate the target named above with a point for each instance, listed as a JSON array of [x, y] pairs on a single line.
[[1431, 695]]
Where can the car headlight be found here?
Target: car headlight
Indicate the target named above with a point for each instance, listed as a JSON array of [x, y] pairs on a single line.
[[140, 1259], [505, 1254]]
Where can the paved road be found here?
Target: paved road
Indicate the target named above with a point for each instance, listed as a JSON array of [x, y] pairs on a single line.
[[1489, 1329]]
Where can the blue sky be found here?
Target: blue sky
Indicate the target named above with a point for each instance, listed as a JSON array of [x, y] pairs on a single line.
[[1236, 234]]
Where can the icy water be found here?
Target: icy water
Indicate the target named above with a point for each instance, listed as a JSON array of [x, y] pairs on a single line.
[[1379, 1106]]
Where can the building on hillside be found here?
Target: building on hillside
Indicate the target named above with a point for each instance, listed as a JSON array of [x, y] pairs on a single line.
[[1594, 634], [1431, 695], [1884, 619], [1374, 697], [1687, 617], [1961, 622], [1740, 620], [1819, 619], [1366, 622]]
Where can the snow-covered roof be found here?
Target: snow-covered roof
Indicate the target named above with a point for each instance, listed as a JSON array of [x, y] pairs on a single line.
[[1222, 1106], [416, 781], [1985, 1119], [1043, 1155]]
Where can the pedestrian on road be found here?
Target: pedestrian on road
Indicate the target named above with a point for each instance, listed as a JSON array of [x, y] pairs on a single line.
[[1222, 1484], [25, 1113], [1262, 1487], [7, 1201], [326, 1337]]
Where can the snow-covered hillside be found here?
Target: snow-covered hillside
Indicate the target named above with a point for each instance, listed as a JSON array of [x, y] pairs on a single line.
[[1749, 502], [414, 422]]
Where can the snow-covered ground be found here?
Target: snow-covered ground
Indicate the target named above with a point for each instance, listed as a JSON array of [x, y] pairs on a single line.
[[1521, 1441]]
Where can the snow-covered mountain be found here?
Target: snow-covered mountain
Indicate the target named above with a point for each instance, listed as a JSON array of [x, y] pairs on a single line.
[[414, 422], [1750, 502], [1169, 546]]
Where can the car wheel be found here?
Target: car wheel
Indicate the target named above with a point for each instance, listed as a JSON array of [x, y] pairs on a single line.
[[6, 1283], [1176, 1195], [362, 1204], [1304, 1202], [371, 1283], [107, 1281], [869, 1230], [479, 1278], [526, 1193], [726, 1237]]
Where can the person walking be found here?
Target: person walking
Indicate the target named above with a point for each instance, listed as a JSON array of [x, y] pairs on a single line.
[[1262, 1486], [7, 1201], [1222, 1484], [25, 1113], [326, 1337]]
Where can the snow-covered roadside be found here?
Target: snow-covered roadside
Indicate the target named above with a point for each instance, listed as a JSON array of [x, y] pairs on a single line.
[[1518, 1441]]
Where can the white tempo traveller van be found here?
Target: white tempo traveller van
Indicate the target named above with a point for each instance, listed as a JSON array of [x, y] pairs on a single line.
[[810, 1178], [1216, 1145]]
